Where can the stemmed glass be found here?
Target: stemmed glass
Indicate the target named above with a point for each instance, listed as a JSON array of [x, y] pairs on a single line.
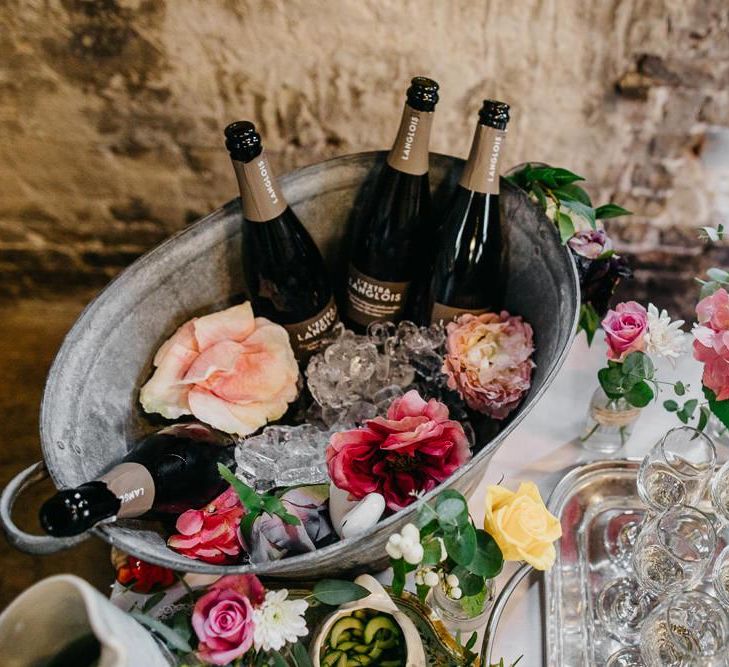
[[688, 629], [674, 472], [672, 553], [720, 501]]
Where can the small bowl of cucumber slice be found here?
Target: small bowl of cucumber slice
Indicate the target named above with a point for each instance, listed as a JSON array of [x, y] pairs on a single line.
[[371, 631]]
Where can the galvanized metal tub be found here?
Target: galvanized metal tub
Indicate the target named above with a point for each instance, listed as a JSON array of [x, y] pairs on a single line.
[[90, 413]]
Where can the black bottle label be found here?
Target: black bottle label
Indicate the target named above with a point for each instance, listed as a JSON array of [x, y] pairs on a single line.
[[307, 336], [445, 314], [481, 173], [260, 195], [409, 152], [133, 485], [370, 299]]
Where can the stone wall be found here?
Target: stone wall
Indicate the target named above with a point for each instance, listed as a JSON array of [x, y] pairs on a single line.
[[111, 112]]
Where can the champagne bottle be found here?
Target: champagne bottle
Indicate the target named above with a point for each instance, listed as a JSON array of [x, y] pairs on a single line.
[[467, 276], [392, 236], [166, 473], [284, 270]]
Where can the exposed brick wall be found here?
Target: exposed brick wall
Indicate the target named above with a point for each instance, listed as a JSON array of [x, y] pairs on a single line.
[[111, 112]]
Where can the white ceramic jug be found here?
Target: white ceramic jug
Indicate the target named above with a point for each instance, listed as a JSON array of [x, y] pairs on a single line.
[[45, 618]]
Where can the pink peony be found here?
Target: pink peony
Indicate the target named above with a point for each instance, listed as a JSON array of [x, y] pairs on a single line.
[[223, 618], [488, 361], [625, 330], [211, 534], [228, 369], [408, 452], [711, 342]]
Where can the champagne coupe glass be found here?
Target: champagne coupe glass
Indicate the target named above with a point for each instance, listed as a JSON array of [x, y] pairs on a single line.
[[674, 472], [721, 577], [672, 553], [688, 629], [720, 492]]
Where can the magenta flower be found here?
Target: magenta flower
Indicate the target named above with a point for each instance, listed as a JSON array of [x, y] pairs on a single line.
[[625, 330]]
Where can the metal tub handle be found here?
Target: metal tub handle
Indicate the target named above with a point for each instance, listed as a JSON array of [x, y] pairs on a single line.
[[489, 636], [38, 545]]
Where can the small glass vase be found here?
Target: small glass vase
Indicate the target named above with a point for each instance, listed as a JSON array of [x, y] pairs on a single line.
[[454, 615], [609, 423]]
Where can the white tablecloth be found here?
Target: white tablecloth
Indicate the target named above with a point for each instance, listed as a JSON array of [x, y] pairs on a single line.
[[543, 447]]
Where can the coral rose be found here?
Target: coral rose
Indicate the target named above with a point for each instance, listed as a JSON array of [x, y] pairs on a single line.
[[625, 330], [521, 525], [711, 342], [211, 534], [488, 361], [407, 453], [229, 369], [223, 619]]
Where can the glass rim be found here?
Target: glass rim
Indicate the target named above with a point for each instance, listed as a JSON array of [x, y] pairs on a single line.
[[683, 508], [698, 434], [709, 600]]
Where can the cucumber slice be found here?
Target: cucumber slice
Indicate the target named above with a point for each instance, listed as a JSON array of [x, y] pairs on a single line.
[[345, 646], [342, 625], [357, 660], [344, 637], [360, 614], [332, 659], [377, 623], [343, 662], [362, 648]]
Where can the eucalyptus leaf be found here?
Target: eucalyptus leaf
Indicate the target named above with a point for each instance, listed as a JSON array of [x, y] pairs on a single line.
[[473, 604], [461, 544], [425, 515], [468, 582], [167, 634], [638, 365], [431, 551], [338, 591], [719, 275], [679, 388], [488, 560], [708, 288], [639, 395], [670, 405], [451, 508]]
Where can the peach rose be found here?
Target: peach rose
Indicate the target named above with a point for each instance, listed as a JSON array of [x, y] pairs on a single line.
[[228, 369]]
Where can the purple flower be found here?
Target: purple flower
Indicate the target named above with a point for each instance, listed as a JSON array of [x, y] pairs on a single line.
[[590, 243]]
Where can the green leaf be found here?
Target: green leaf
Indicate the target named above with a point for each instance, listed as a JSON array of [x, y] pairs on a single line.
[[338, 591], [460, 543], [471, 641], [611, 381], [473, 604], [431, 551], [639, 395], [639, 366], [719, 275], [422, 591], [580, 209], [670, 405], [425, 515], [544, 175], [278, 659], [690, 406], [541, 197], [468, 582], [153, 601], [564, 176], [679, 388], [704, 414], [573, 192], [487, 559], [168, 635], [708, 288], [250, 499], [566, 227], [399, 571], [273, 505], [451, 508], [301, 655], [610, 211], [589, 321]]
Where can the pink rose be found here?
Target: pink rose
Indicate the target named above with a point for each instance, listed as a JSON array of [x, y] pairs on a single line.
[[223, 618], [409, 452], [211, 534], [488, 361], [625, 329], [228, 369], [711, 344]]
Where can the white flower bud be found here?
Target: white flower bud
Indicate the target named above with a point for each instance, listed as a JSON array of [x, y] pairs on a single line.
[[431, 579], [456, 593], [452, 580], [393, 550], [419, 578], [412, 553], [410, 532], [395, 539]]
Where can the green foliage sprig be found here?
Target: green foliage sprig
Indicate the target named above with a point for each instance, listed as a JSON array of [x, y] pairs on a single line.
[[471, 554], [630, 379]]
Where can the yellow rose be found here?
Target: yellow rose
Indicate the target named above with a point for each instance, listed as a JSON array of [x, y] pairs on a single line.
[[521, 525]]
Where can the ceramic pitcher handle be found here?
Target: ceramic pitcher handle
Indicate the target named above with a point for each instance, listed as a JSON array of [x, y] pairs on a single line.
[[38, 545], [489, 636]]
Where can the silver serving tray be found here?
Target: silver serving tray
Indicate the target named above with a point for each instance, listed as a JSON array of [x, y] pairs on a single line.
[[587, 499]]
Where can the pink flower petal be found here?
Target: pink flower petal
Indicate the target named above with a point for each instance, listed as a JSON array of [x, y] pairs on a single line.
[[234, 324]]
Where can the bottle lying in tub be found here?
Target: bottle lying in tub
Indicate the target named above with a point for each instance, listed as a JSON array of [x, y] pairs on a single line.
[[165, 473]]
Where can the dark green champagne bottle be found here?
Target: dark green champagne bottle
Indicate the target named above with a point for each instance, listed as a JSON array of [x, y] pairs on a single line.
[[467, 273], [392, 237], [284, 270]]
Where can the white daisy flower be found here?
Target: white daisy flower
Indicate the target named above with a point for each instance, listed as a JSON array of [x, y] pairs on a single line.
[[664, 338], [278, 621]]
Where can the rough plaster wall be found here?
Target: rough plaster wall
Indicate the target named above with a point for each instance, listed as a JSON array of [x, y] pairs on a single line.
[[111, 111]]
